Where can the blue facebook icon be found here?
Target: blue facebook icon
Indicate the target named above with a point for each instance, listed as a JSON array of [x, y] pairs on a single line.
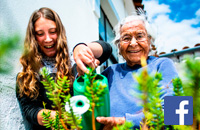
[[178, 110]]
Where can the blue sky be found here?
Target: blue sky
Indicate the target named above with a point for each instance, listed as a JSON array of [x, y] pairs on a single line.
[[177, 22]]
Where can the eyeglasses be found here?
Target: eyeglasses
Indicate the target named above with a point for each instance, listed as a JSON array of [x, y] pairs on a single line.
[[140, 37]]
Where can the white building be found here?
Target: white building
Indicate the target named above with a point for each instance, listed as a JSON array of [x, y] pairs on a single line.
[[84, 21], [178, 57]]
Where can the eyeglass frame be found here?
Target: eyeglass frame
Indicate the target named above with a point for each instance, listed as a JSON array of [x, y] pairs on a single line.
[[129, 40]]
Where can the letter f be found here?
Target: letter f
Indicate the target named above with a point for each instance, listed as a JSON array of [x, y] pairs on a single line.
[[181, 111]]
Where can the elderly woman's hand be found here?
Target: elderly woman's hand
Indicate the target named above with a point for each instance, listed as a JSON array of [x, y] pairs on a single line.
[[83, 56], [109, 122]]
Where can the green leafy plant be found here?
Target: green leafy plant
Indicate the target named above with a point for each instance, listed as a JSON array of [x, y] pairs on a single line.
[[150, 93], [7, 44], [94, 90], [126, 126], [150, 96], [191, 87], [148, 85], [178, 87], [59, 94]]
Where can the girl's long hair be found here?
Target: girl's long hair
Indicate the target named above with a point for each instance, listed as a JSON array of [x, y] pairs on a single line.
[[31, 58]]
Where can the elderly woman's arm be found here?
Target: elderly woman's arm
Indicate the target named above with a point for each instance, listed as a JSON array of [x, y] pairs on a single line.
[[169, 72]]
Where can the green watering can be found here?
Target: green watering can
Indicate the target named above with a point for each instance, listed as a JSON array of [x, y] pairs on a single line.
[[79, 88]]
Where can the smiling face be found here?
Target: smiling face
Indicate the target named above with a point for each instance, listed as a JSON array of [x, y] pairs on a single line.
[[130, 48], [46, 36]]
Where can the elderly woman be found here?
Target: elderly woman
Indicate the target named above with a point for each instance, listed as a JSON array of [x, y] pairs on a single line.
[[134, 40]]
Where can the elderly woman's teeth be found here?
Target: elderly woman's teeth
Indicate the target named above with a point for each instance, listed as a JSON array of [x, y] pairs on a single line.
[[133, 51]]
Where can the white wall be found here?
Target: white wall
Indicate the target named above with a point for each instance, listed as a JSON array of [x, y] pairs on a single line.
[[77, 16], [81, 26], [116, 10]]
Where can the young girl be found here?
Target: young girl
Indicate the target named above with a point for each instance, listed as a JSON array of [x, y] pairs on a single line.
[[46, 45]]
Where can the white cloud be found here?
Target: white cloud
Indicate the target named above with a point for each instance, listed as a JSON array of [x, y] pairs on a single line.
[[171, 34], [153, 9], [198, 13]]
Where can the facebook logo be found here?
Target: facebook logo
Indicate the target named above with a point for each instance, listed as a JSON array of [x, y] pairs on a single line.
[[178, 110]]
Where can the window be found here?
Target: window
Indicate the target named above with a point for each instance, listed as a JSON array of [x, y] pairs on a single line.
[[106, 33]]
